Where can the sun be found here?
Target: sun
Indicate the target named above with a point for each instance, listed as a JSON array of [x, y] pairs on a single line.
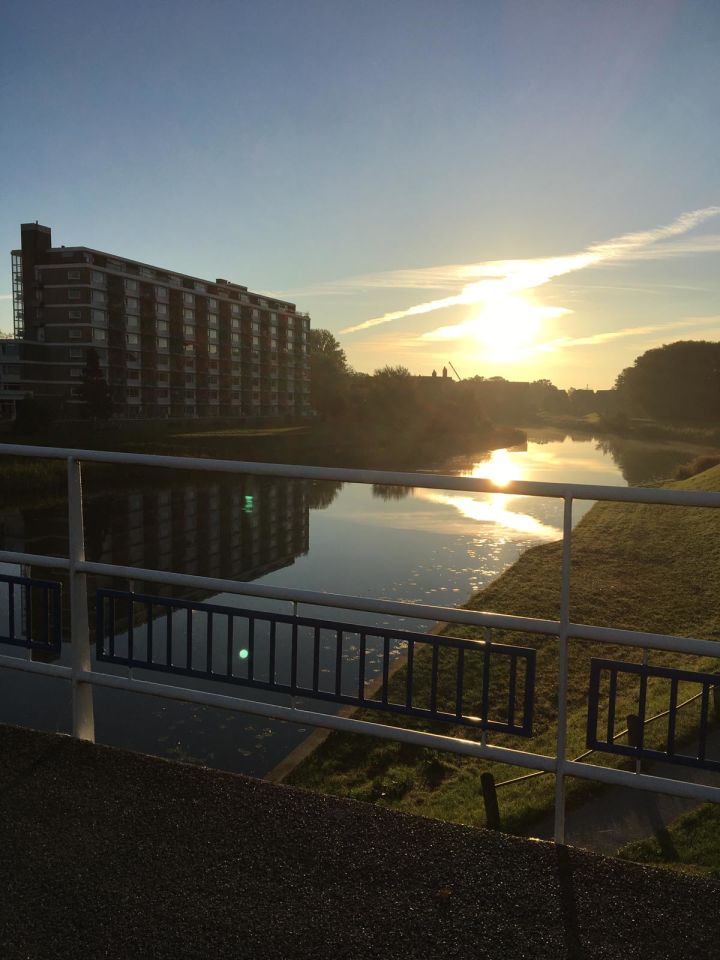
[[508, 327]]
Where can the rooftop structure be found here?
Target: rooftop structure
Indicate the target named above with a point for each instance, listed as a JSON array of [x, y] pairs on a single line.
[[168, 344]]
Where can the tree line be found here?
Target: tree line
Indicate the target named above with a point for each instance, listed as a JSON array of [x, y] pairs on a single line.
[[678, 381]]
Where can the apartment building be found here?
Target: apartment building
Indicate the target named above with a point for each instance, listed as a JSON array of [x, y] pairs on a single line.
[[168, 344]]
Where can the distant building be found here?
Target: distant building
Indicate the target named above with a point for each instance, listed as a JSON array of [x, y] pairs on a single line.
[[169, 344]]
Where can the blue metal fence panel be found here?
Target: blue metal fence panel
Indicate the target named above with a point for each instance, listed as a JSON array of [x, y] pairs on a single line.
[[31, 614], [606, 743], [327, 660]]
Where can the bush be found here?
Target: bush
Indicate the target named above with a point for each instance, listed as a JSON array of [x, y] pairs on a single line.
[[698, 465]]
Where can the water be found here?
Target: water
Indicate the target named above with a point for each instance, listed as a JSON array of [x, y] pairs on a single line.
[[427, 546]]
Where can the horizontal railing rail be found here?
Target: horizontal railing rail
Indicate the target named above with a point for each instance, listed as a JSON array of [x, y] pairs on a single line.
[[84, 675]]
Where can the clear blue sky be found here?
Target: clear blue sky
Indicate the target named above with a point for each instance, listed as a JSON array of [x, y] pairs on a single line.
[[290, 145]]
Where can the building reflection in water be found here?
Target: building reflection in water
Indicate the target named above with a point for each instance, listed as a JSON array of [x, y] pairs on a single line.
[[239, 528]]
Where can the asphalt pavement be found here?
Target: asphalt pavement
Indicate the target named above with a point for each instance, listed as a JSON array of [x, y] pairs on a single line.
[[110, 854]]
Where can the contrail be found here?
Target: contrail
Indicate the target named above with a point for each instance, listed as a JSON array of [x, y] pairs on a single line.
[[504, 277]]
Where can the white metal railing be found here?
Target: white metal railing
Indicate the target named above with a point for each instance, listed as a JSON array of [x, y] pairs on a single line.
[[84, 677]]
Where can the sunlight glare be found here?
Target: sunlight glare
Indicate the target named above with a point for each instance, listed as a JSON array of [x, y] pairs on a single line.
[[508, 327]]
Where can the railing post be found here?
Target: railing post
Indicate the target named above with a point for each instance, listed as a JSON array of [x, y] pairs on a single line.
[[560, 751], [83, 718]]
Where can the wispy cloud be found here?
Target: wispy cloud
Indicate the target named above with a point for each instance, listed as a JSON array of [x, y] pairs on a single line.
[[492, 280], [5, 296], [561, 343]]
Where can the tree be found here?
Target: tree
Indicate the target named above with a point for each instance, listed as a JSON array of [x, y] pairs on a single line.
[[4, 335], [323, 344], [94, 391], [329, 373], [678, 381]]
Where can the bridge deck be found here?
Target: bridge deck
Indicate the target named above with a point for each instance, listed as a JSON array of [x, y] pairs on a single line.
[[105, 853]]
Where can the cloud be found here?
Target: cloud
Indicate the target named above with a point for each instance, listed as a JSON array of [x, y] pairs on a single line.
[[493, 280], [5, 296], [560, 343]]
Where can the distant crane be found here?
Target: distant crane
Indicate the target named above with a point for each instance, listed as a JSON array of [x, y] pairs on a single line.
[[454, 371]]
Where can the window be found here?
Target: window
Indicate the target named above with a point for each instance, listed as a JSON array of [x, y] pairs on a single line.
[[146, 272], [163, 393], [255, 313], [189, 299], [116, 265], [132, 323], [98, 278], [212, 304], [263, 303], [131, 286], [256, 341], [75, 371], [67, 254], [212, 320], [235, 324], [162, 343], [213, 379], [244, 298], [189, 331], [190, 378], [99, 317], [99, 296], [73, 275], [99, 334], [290, 322], [76, 353], [163, 377], [133, 374], [189, 348], [75, 334], [188, 314], [73, 294], [75, 314], [161, 293], [132, 339], [273, 319], [133, 392], [212, 334], [131, 304], [200, 287], [235, 309], [162, 326], [212, 348], [235, 337], [161, 309]]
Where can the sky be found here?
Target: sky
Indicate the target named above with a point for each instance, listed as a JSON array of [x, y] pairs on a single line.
[[524, 188]]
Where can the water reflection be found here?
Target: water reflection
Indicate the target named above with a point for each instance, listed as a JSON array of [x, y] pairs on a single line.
[[493, 509]]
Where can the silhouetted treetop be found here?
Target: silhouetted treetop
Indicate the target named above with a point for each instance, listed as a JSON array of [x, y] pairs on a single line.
[[678, 381]]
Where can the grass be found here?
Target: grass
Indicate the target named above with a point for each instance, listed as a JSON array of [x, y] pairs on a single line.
[[691, 844], [633, 566]]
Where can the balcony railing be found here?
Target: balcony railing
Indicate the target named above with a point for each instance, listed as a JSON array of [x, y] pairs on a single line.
[[312, 657]]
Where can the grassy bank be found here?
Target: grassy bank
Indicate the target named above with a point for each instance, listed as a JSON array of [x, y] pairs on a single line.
[[633, 566], [691, 844]]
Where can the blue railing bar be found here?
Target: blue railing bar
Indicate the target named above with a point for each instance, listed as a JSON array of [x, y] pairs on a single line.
[[533, 488], [436, 741]]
